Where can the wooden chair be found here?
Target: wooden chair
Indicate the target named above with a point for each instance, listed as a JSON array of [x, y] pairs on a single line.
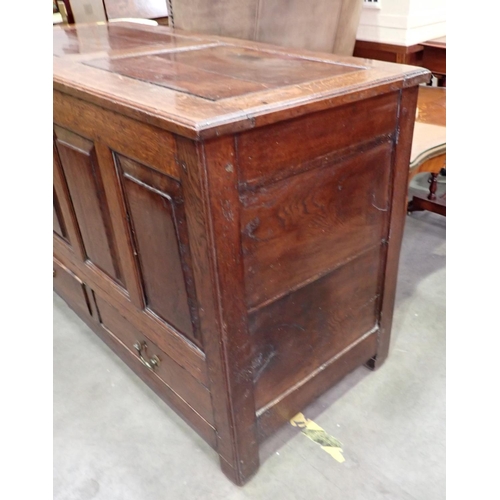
[[134, 10], [321, 25]]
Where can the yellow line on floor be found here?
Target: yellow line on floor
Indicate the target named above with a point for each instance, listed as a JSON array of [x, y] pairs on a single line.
[[317, 434]]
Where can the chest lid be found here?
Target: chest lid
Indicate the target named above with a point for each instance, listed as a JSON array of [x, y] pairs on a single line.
[[201, 86]]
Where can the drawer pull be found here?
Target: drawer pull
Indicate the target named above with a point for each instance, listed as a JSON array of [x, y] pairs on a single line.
[[153, 362]]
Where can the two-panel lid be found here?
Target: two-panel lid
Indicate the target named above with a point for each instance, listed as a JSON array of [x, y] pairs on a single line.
[[202, 85]]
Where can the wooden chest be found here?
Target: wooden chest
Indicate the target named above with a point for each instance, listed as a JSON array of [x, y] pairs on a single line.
[[228, 217]]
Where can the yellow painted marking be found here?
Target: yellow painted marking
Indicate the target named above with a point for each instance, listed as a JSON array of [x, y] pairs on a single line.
[[317, 434]]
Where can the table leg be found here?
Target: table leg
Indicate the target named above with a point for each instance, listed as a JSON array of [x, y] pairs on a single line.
[[433, 186]]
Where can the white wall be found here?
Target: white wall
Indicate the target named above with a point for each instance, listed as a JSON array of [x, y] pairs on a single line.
[[403, 22]]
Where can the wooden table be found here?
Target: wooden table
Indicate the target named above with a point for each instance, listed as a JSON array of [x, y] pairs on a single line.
[[402, 54], [428, 152], [430, 54], [434, 58], [228, 217]]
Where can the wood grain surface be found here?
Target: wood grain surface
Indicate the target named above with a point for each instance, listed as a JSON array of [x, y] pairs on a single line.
[[234, 209]]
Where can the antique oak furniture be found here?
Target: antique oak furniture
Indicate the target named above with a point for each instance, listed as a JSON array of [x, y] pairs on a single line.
[[228, 217]]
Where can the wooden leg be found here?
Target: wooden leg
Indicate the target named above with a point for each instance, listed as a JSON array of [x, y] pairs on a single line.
[[431, 203], [418, 204], [433, 186], [441, 81], [237, 475], [396, 226]]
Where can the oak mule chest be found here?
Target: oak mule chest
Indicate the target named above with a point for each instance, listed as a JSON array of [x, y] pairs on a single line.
[[228, 217]]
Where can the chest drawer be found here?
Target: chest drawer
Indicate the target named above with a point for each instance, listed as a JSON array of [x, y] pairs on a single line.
[[144, 352]]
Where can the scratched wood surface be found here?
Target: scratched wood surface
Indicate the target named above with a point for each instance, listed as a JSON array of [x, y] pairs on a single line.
[[317, 80]]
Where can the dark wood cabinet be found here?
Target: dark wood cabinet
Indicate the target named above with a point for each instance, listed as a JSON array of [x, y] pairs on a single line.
[[228, 217]]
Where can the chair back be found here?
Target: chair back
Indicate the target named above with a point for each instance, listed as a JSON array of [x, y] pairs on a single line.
[[320, 25]]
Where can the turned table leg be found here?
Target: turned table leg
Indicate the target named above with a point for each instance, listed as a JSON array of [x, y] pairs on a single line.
[[433, 186], [432, 204]]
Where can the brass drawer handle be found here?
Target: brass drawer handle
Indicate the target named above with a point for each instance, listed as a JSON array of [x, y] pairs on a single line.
[[153, 362]]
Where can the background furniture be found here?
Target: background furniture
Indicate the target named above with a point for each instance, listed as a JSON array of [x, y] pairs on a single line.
[[322, 25], [64, 9], [139, 9], [434, 58], [228, 218], [428, 152], [430, 54], [92, 11], [401, 54]]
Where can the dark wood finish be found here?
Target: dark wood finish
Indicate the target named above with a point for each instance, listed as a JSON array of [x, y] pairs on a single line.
[[157, 222], [64, 212], [411, 54], [185, 353], [282, 409], [198, 118], [233, 209], [151, 146], [434, 58], [58, 221], [433, 186], [173, 375], [179, 405], [236, 462], [430, 54], [219, 72], [234, 342], [298, 229], [329, 134], [397, 211], [71, 288], [437, 205], [429, 147], [296, 334], [81, 170]]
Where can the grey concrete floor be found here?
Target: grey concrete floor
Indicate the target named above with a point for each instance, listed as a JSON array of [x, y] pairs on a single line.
[[114, 439]]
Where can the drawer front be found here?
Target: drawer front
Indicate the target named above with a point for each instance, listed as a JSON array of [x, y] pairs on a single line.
[[146, 355], [71, 289]]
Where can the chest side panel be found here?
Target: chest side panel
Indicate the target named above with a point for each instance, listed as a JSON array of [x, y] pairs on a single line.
[[315, 211]]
